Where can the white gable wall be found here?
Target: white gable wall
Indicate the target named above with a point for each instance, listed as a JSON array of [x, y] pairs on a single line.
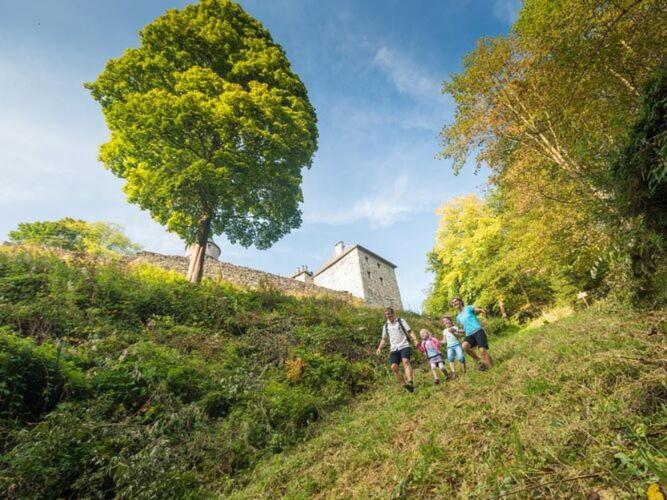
[[364, 276], [344, 275]]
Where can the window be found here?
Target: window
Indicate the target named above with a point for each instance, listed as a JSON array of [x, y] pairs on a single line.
[[381, 281], [366, 259], [378, 265], [369, 274]]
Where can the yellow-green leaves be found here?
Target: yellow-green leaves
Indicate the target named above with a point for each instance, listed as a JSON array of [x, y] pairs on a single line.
[[207, 120], [75, 235]]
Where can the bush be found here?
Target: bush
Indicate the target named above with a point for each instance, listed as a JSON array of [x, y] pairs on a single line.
[[161, 388], [33, 379], [495, 327], [289, 408]]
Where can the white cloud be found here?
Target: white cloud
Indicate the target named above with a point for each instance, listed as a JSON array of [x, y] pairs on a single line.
[[506, 10], [407, 77], [382, 208]]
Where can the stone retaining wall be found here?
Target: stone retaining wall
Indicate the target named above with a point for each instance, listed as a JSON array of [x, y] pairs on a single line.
[[238, 275]]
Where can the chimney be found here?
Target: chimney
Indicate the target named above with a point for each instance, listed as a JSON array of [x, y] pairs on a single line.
[[303, 274], [339, 248]]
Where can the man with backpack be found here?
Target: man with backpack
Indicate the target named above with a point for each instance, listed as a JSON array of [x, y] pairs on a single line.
[[397, 331]]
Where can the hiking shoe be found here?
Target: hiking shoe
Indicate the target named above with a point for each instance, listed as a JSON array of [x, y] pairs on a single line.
[[409, 387], [452, 376], [436, 381], [482, 367]]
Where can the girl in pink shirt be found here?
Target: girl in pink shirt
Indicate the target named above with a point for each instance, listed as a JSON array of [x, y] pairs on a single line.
[[431, 348]]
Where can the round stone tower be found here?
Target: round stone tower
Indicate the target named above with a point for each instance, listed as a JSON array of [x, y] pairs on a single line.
[[212, 250]]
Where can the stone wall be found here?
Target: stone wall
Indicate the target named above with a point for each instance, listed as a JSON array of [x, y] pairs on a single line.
[[379, 282], [238, 275]]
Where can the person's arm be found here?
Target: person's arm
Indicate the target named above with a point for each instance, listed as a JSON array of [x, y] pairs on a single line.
[[382, 341], [478, 310], [414, 338]]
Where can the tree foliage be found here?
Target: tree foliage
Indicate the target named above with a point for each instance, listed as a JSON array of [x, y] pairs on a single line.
[[547, 108], [488, 256], [210, 127], [640, 171], [75, 235]]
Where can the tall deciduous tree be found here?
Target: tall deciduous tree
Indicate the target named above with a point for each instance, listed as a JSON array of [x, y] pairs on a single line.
[[75, 235], [546, 107], [210, 127]]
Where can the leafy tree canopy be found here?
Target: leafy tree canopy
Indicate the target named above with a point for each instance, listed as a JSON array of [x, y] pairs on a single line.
[[75, 235], [640, 171], [209, 125], [547, 108]]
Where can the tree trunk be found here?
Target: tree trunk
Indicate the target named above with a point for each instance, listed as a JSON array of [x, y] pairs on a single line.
[[525, 294], [501, 306], [198, 250]]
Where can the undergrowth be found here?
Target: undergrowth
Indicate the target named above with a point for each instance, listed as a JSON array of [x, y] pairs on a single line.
[[131, 382], [572, 409]]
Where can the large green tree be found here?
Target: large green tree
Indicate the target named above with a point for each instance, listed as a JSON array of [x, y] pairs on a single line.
[[545, 108], [210, 127], [75, 235]]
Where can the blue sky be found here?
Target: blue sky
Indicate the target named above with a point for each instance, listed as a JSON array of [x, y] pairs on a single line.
[[373, 70]]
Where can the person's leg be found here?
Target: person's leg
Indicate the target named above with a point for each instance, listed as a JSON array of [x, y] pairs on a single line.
[[461, 357], [483, 343], [468, 349], [434, 371], [397, 373], [486, 357], [450, 357], [445, 375], [408, 370]]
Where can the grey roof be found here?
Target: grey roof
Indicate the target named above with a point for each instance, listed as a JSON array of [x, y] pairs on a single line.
[[347, 250], [300, 273]]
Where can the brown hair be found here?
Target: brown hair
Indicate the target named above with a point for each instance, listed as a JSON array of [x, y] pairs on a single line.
[[389, 310]]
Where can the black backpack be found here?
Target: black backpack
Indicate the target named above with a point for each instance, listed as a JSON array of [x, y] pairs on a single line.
[[400, 324]]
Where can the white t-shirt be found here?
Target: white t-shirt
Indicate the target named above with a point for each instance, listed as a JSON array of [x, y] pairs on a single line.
[[397, 339], [449, 337]]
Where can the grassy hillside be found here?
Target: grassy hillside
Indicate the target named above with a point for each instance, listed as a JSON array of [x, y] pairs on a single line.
[[131, 382], [570, 409]]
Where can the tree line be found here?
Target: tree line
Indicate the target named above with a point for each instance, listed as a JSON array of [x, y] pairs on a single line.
[[568, 113]]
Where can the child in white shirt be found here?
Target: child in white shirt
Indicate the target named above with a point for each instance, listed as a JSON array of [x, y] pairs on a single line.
[[451, 335]]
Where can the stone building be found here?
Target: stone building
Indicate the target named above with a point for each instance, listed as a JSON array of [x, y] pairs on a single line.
[[359, 271], [303, 274]]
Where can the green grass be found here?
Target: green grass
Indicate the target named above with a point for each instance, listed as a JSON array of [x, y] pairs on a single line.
[[129, 382], [568, 410]]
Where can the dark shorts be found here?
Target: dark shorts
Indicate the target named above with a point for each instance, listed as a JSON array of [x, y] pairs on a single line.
[[477, 338], [395, 357]]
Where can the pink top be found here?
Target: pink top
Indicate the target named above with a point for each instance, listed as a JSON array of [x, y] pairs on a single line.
[[430, 347]]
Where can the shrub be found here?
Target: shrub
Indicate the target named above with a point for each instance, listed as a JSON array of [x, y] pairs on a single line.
[[32, 378], [161, 387], [497, 326], [289, 408]]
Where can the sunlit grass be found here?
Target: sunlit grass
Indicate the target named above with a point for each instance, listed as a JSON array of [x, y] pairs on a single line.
[[566, 412]]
